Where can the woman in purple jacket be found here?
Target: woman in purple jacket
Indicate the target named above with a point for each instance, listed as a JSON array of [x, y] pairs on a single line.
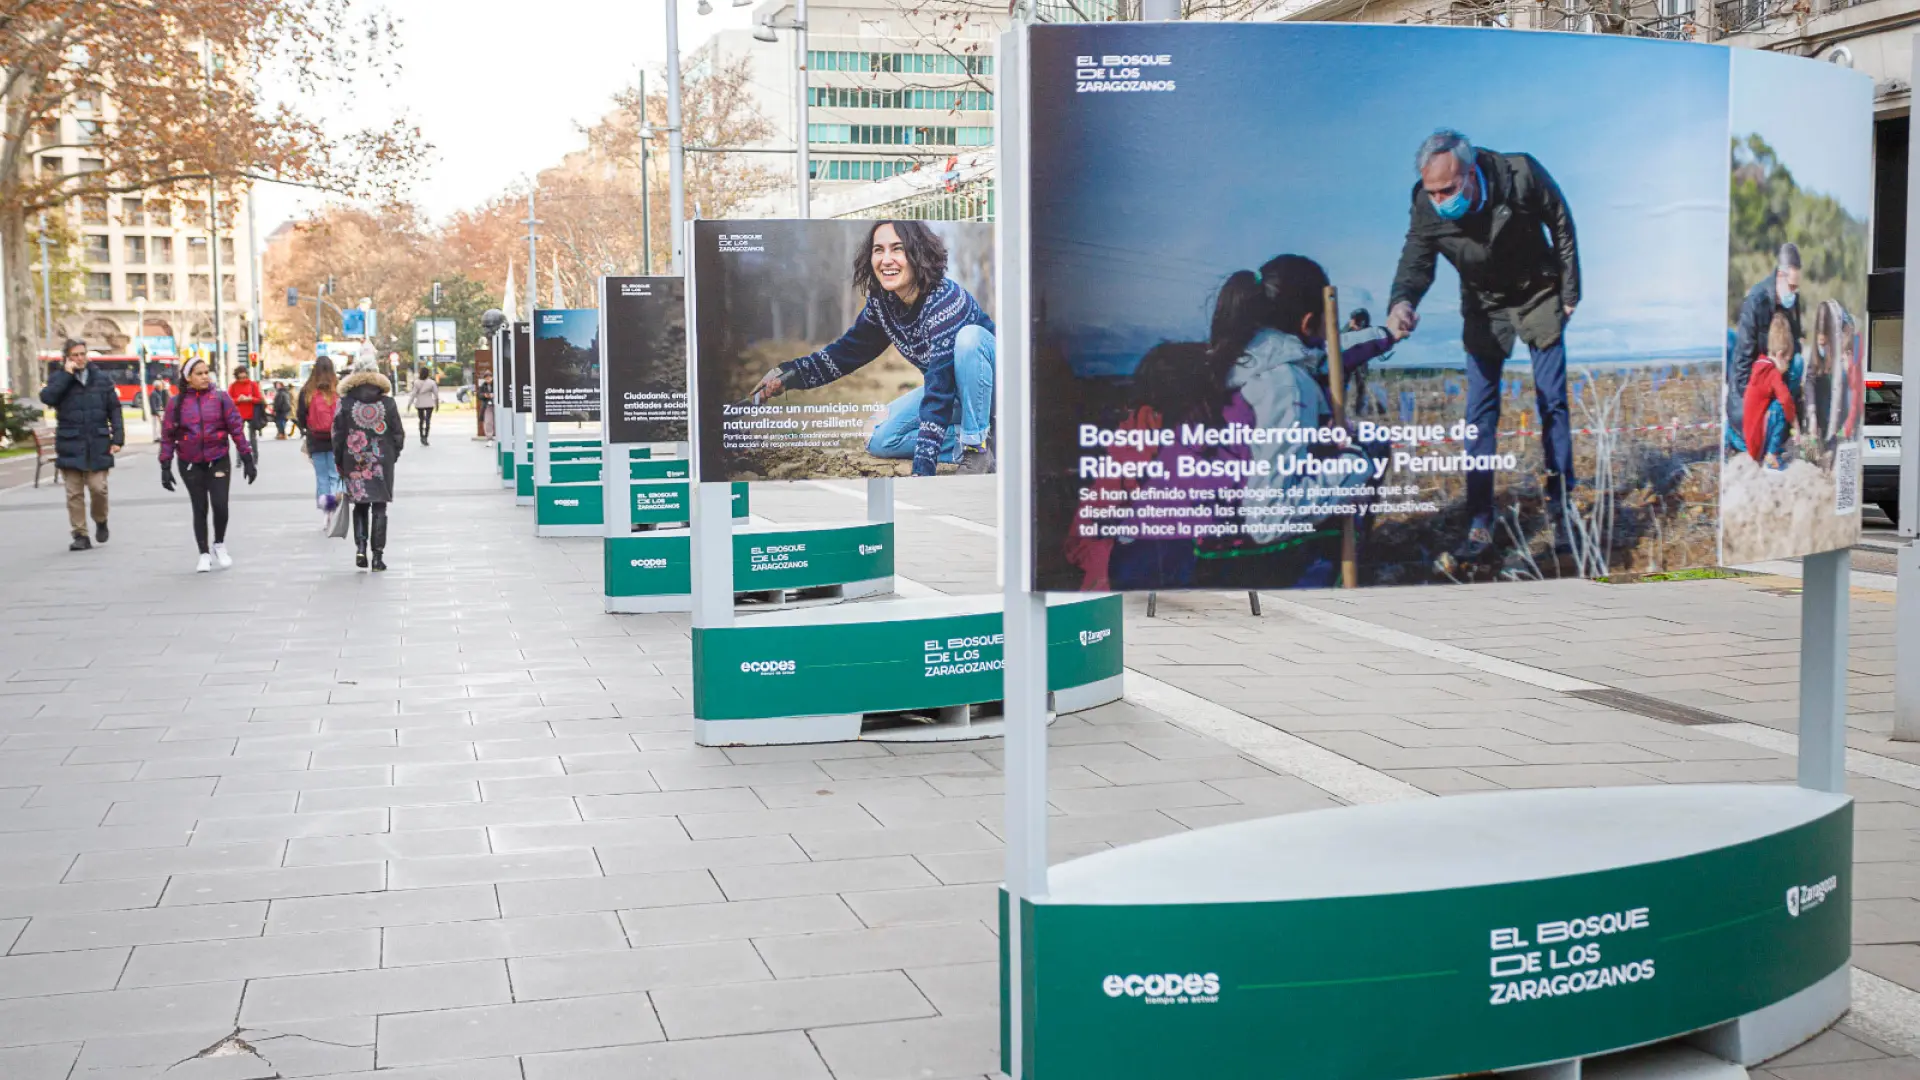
[[196, 429]]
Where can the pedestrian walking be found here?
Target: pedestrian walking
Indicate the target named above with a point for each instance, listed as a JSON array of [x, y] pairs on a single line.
[[367, 439], [89, 432], [199, 421], [423, 399], [250, 400], [483, 395], [314, 411], [282, 409]]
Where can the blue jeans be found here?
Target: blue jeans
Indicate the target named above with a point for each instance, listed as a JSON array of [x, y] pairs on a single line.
[[1556, 429], [899, 430], [326, 477]]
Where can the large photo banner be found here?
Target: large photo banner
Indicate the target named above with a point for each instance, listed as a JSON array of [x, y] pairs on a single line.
[[643, 335], [843, 348], [566, 365], [1476, 337], [1802, 137]]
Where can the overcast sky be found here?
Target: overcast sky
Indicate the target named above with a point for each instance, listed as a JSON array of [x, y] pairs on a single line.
[[499, 86]]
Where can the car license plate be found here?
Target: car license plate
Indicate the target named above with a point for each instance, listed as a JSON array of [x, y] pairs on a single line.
[[1884, 444]]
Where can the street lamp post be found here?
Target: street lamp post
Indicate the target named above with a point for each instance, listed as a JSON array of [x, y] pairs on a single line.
[[803, 169], [646, 199], [676, 146], [46, 284]]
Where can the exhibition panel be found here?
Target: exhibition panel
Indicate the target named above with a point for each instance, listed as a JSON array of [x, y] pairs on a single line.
[[1301, 383]]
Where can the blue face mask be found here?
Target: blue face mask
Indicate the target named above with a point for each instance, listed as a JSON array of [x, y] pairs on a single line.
[[1787, 297], [1453, 207]]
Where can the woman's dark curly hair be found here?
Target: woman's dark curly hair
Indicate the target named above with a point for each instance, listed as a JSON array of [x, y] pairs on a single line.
[[926, 254]]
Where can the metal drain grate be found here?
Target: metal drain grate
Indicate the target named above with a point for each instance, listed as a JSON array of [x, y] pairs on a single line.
[[1653, 707]]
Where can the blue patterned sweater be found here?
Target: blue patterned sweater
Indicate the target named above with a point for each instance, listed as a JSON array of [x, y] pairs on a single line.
[[923, 333]]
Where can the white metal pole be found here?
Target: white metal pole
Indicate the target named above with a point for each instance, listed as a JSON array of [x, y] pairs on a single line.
[[1906, 622], [253, 276], [803, 174], [676, 143], [1823, 670]]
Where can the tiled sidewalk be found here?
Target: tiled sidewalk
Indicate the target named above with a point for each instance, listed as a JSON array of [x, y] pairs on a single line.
[[447, 823]]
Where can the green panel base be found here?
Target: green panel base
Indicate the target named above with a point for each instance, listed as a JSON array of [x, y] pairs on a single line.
[[920, 654], [523, 483], [568, 510], [658, 567], [1442, 937], [505, 464], [575, 472]]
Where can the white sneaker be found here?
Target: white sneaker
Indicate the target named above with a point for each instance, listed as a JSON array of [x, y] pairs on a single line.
[[220, 556], [205, 564]]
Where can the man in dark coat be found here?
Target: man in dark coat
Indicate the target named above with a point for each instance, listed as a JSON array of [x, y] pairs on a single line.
[[1778, 291], [89, 433], [1502, 223]]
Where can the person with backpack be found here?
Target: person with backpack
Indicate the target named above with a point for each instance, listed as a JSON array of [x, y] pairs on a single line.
[[314, 411], [423, 399], [199, 421], [282, 409], [250, 400], [368, 436]]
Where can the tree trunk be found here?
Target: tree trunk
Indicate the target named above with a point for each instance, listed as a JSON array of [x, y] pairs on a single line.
[[23, 342]]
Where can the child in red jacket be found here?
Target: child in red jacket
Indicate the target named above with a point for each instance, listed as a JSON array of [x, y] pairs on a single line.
[[1768, 384]]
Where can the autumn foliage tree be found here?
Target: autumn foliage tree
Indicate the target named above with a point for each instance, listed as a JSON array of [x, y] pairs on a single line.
[[384, 254], [178, 86]]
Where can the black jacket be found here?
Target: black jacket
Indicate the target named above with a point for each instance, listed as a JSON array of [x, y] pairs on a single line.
[[1516, 254], [367, 437], [89, 419], [1750, 336]]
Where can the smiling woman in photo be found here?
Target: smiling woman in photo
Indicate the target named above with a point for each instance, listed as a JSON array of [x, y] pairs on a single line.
[[938, 327]]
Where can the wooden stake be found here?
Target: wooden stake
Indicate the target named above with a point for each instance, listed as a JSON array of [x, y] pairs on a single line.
[[1337, 398]]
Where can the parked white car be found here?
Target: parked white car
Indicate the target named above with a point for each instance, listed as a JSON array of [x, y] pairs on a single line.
[[1880, 458]]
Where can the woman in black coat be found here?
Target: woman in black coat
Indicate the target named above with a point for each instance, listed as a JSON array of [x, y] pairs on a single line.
[[90, 431], [367, 440]]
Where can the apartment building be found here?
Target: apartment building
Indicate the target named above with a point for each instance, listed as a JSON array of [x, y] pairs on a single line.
[[146, 255], [892, 88]]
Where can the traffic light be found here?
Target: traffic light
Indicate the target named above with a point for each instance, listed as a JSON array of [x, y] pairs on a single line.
[[329, 289], [436, 294], [293, 296]]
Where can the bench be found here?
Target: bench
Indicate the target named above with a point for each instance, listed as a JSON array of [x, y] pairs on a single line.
[[43, 452]]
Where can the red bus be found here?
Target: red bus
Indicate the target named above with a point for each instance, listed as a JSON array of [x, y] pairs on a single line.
[[125, 372]]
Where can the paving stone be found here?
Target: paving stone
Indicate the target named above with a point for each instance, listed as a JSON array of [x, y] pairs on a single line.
[[372, 847], [472, 869], [697, 1012], [141, 926], [936, 904], [744, 919], [253, 958], [698, 854], [274, 884], [375, 993], [378, 909], [521, 1028], [37, 974], [961, 989], [502, 938], [584, 834], [884, 949], [48, 1061], [150, 862], [528, 898], [947, 1046], [668, 803], [358, 798], [463, 815], [64, 1017], [289, 826], [809, 878], [634, 970], [917, 840], [783, 1056]]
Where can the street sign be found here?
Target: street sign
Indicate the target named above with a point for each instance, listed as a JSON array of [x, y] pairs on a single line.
[[353, 322], [434, 339]]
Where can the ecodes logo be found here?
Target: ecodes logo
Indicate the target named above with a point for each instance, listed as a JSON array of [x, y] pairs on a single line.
[[871, 549], [768, 667], [1090, 637], [649, 564], [1167, 989], [1807, 897]]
